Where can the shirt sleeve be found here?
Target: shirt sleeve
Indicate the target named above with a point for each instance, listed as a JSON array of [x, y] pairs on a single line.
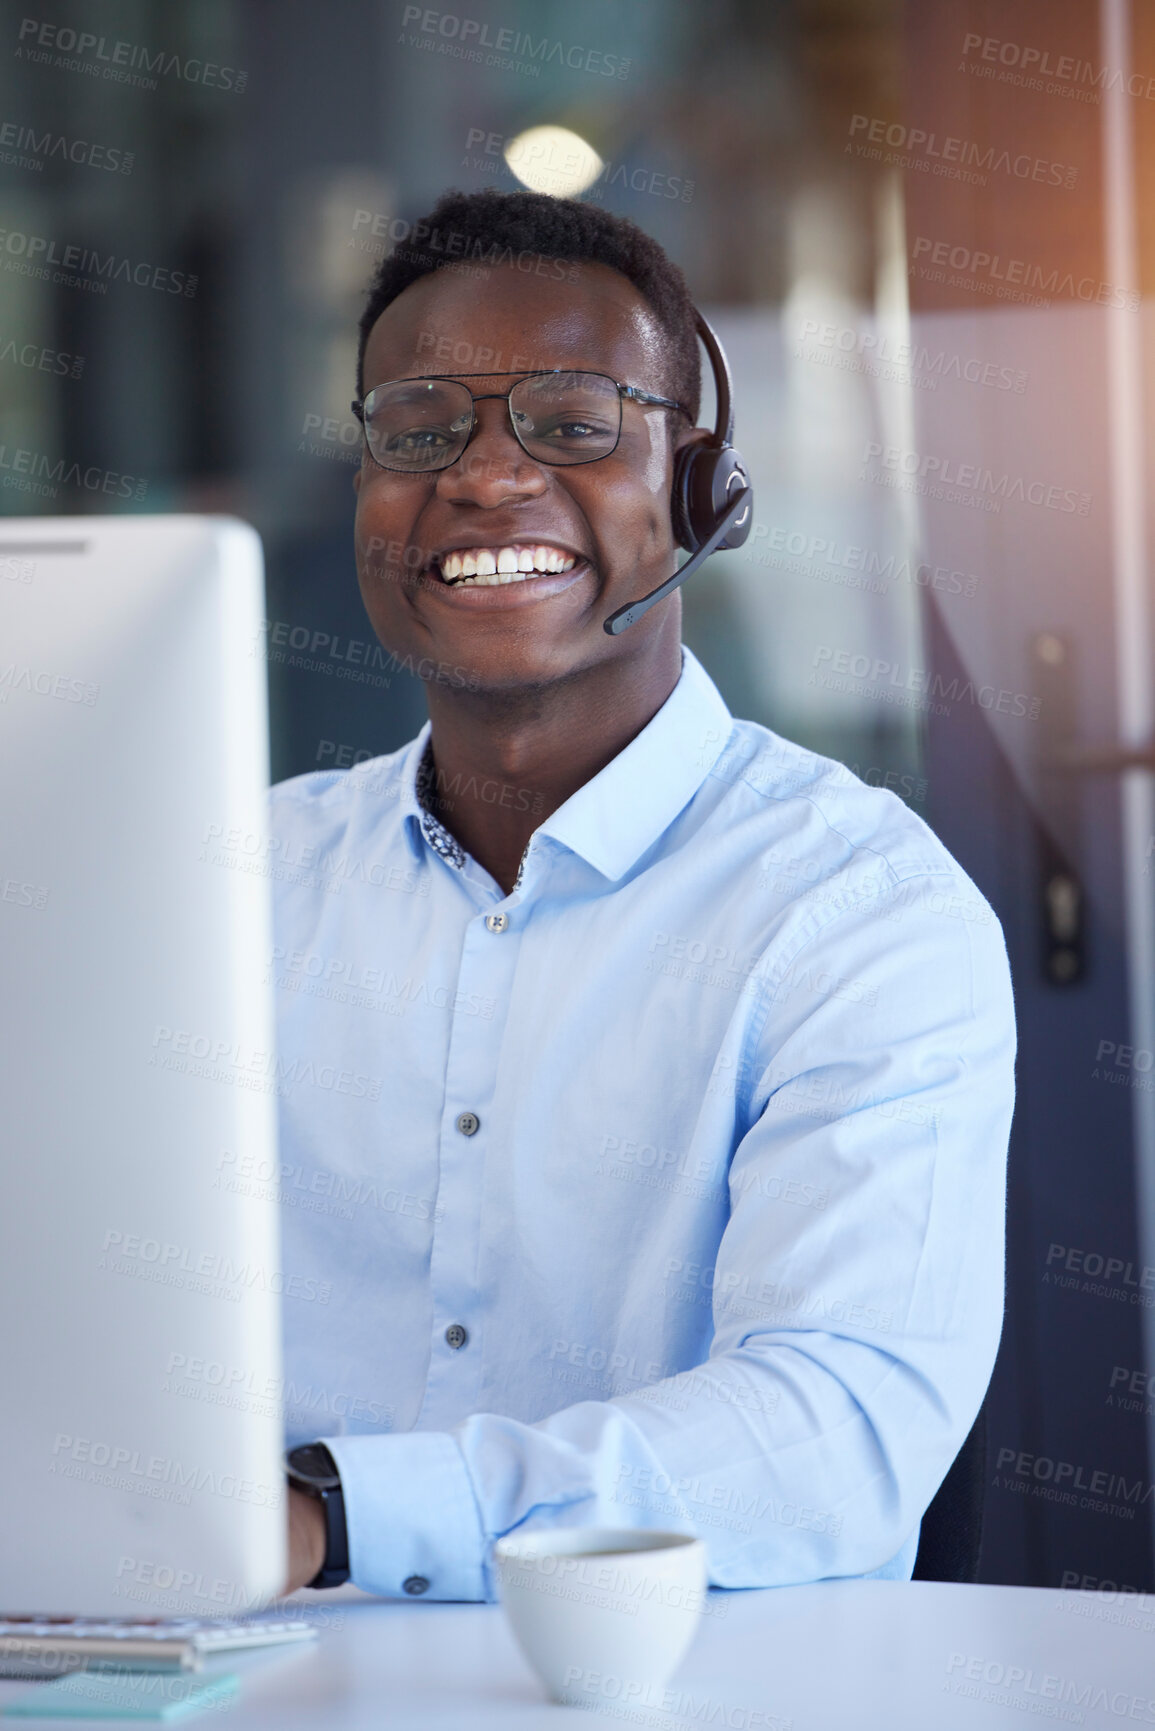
[[857, 1293]]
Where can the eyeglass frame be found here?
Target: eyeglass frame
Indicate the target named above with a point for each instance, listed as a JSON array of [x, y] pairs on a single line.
[[633, 393]]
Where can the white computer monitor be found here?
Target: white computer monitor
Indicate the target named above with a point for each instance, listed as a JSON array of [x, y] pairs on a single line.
[[138, 1062]]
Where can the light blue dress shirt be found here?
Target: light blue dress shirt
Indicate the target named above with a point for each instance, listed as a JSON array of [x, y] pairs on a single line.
[[666, 1191]]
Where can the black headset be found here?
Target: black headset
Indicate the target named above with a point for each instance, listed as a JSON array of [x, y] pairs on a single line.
[[712, 506]]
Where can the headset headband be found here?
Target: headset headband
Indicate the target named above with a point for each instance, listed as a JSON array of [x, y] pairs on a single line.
[[723, 385]]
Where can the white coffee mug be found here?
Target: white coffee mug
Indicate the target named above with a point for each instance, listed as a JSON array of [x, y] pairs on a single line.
[[603, 1614]]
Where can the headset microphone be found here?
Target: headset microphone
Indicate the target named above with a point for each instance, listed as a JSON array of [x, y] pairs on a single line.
[[712, 504]]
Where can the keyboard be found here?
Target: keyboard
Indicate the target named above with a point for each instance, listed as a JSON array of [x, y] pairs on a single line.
[[51, 1646]]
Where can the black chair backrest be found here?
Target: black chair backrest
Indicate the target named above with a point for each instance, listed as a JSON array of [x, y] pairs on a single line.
[[952, 1528]]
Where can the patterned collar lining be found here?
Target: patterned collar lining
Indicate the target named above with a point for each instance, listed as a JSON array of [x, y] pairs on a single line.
[[432, 828], [434, 831]]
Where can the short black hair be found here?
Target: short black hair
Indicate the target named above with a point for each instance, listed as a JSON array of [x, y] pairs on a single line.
[[493, 227]]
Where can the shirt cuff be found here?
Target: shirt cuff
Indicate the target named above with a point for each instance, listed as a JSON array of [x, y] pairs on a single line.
[[414, 1526]]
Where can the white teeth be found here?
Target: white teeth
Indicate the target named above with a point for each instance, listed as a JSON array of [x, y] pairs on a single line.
[[488, 567]]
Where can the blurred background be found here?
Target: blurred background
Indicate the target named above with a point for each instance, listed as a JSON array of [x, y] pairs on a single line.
[[924, 234]]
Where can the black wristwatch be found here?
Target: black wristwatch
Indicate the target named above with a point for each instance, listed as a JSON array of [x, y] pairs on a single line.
[[312, 1469]]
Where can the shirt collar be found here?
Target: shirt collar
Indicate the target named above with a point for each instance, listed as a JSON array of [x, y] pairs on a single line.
[[419, 786], [618, 815]]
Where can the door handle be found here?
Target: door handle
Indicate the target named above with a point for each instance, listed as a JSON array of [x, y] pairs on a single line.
[[1058, 821]]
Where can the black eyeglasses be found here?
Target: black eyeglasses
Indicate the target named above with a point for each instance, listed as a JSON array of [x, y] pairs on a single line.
[[417, 426]]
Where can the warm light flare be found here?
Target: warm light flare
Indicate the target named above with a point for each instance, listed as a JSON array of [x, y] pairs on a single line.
[[553, 160]]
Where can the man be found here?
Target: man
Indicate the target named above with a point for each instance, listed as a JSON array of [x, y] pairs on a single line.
[[662, 1180]]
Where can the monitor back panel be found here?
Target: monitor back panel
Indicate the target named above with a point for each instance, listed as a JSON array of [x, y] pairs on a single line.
[[139, 1357]]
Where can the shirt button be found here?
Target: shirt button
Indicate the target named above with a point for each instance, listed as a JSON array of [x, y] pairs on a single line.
[[496, 922], [415, 1586], [456, 1336], [468, 1123]]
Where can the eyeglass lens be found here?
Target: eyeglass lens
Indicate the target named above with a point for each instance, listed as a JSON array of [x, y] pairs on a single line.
[[418, 425]]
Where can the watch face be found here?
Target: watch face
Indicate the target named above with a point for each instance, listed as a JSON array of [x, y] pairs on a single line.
[[312, 1461]]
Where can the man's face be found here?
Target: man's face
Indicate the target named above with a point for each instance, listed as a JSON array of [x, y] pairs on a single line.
[[611, 517]]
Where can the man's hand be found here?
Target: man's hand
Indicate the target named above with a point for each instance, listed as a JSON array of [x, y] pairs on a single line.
[[306, 1539]]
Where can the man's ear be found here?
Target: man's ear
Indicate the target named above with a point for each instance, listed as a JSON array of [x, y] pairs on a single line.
[[356, 480], [690, 436]]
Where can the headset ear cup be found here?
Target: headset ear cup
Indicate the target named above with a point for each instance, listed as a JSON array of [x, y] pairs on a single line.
[[704, 478], [699, 495], [680, 508]]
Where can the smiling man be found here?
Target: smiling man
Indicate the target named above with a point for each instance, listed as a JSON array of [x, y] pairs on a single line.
[[661, 1182]]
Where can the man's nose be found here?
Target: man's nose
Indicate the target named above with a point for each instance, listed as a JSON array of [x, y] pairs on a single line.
[[493, 469]]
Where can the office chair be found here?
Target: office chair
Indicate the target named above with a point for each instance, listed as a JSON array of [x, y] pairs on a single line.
[[952, 1527]]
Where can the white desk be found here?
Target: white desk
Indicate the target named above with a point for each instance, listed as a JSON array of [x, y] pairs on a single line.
[[851, 1656]]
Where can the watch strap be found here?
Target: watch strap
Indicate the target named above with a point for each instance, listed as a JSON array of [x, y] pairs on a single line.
[[312, 1469]]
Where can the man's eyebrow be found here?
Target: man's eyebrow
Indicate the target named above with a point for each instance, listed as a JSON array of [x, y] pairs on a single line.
[[413, 392]]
